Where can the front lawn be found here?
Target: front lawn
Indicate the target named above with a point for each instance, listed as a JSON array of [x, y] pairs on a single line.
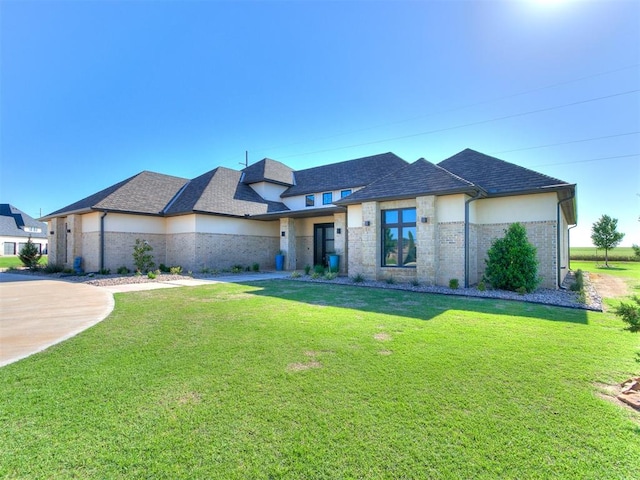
[[14, 261], [282, 379]]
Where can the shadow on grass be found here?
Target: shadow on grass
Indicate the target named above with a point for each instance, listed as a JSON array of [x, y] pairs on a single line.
[[423, 306]]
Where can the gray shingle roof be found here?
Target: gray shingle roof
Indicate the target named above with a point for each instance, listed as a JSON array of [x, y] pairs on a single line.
[[221, 192], [496, 176], [13, 221], [147, 193], [349, 174], [418, 178], [267, 170]]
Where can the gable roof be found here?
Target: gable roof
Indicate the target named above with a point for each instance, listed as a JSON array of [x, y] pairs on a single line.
[[416, 179], [221, 192], [147, 193], [349, 174], [496, 176], [13, 222], [267, 170]]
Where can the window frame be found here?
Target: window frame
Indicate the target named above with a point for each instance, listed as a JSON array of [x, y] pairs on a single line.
[[346, 193], [310, 200], [400, 225], [324, 198]]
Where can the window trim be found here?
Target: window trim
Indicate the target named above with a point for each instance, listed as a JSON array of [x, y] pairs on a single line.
[[324, 198], [400, 225], [346, 193]]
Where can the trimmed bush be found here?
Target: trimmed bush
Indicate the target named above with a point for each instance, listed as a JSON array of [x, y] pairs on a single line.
[[512, 263], [454, 284], [630, 314]]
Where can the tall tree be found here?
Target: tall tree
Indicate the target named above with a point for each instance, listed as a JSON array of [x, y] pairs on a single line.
[[605, 235]]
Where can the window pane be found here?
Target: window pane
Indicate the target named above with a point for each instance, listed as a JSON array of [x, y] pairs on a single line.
[[309, 201], [345, 193], [409, 215], [409, 246], [390, 216], [327, 198], [390, 246]]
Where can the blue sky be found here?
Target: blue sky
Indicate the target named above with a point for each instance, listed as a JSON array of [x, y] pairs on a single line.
[[92, 92]]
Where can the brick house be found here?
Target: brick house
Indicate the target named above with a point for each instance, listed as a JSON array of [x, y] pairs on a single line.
[[16, 227], [383, 216]]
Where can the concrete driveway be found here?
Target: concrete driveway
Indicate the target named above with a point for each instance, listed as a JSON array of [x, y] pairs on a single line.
[[37, 312]]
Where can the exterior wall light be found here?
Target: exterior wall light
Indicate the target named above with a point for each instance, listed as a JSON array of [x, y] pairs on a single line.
[[338, 231], [367, 223], [282, 234], [424, 219]]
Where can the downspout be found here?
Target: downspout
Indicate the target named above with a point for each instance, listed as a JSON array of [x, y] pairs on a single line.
[[477, 196], [569, 245], [558, 252], [104, 214]]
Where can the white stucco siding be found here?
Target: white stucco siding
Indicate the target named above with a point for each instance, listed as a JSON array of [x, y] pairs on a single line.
[[450, 208], [119, 222], [299, 202], [354, 216], [236, 226], [523, 208], [181, 224], [91, 222], [269, 191]]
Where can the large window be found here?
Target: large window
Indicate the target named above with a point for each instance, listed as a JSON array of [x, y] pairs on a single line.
[[399, 237]]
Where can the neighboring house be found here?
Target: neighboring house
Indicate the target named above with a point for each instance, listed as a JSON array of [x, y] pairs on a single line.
[[383, 216], [16, 227]]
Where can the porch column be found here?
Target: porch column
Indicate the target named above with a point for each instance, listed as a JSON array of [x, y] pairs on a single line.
[[288, 242]]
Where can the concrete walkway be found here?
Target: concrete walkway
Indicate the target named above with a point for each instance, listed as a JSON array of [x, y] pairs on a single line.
[[38, 312]]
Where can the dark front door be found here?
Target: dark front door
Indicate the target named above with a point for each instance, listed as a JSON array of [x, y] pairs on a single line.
[[323, 243]]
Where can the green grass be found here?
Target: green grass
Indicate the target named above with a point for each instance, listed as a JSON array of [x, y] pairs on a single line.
[[294, 380], [14, 261], [627, 270], [591, 253]]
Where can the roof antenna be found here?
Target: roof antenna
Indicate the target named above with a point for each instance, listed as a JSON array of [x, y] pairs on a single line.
[[246, 159]]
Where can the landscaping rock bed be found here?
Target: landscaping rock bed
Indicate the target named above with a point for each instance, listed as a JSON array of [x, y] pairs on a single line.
[[560, 297]]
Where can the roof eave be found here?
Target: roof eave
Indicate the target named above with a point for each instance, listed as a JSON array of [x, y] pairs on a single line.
[[387, 198], [313, 212]]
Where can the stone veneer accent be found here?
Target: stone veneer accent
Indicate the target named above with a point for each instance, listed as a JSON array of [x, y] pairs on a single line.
[[288, 242], [427, 244], [541, 234]]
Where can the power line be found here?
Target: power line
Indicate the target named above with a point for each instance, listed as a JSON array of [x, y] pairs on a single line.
[[565, 143], [454, 109], [589, 160], [479, 122]]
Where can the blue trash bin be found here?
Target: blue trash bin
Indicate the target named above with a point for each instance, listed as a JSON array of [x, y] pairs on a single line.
[[334, 263]]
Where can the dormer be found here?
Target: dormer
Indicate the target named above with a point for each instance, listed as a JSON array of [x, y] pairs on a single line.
[[268, 178]]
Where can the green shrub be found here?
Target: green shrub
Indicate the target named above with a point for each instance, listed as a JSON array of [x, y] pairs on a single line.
[[318, 269], [330, 275], [316, 275], [415, 283], [578, 285], [29, 255], [358, 278], [512, 263], [482, 286], [163, 268], [630, 313], [151, 275], [307, 269], [454, 283], [123, 270], [68, 271], [390, 280], [176, 270], [255, 267], [295, 274], [104, 271], [237, 269], [53, 268], [142, 257]]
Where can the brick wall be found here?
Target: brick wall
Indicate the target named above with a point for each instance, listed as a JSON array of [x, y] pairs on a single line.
[[450, 252], [541, 234]]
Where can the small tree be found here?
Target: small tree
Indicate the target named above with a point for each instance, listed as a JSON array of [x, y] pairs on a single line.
[[604, 234], [30, 255], [636, 250], [511, 261], [142, 258]]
